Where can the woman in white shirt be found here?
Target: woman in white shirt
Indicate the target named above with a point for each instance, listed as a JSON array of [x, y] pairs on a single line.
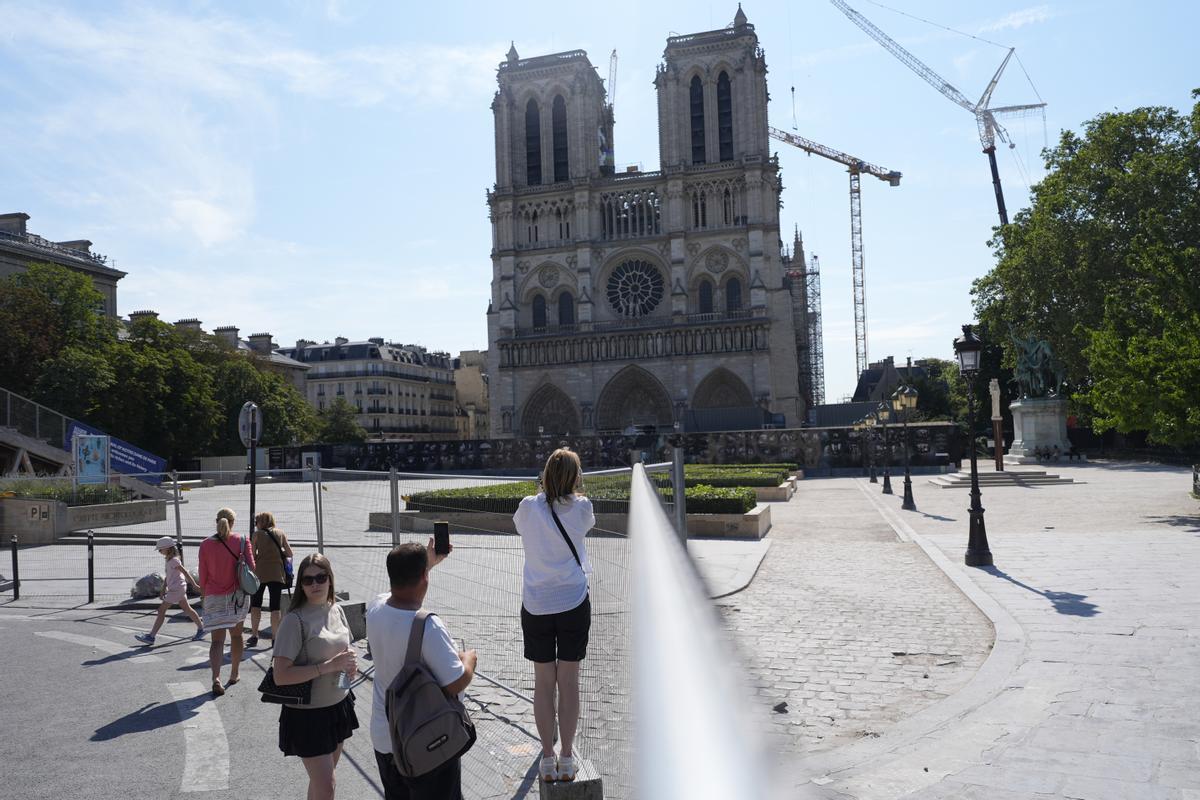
[[556, 613]]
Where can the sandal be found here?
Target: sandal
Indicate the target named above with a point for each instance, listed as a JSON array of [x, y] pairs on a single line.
[[567, 768], [217, 688], [232, 681], [548, 769]]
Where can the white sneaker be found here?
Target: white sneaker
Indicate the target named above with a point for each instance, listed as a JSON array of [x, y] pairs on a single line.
[[567, 768], [548, 769]]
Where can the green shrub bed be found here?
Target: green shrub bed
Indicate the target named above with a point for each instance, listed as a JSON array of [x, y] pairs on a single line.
[[786, 466], [609, 495], [83, 495]]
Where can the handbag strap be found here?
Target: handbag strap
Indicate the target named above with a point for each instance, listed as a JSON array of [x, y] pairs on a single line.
[[275, 541], [563, 531], [415, 636], [236, 556]]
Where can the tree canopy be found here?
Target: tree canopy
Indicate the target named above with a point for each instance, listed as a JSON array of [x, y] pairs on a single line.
[[1105, 265], [171, 391], [339, 423]]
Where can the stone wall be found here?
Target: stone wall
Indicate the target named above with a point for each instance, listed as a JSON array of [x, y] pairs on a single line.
[[814, 449]]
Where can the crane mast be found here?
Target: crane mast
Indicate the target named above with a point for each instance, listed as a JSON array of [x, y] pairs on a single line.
[[856, 167]]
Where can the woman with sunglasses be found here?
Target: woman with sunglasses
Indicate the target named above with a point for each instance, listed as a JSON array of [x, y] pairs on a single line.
[[313, 644]]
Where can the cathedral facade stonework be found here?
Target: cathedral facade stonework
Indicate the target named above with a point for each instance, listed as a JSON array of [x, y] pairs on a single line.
[[639, 298]]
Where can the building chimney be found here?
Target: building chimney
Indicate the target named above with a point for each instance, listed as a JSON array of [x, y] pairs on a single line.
[[261, 343], [82, 245], [227, 334], [138, 316], [190, 324], [14, 223]]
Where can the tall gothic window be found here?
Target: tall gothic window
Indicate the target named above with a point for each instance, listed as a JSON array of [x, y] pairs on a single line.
[[733, 295], [566, 309], [697, 121], [706, 297], [533, 144], [539, 311], [725, 117], [559, 119]]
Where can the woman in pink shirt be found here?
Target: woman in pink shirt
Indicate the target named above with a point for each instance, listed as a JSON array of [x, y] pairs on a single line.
[[225, 604]]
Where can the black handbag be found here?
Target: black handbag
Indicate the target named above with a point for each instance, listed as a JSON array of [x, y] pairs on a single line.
[[294, 694]]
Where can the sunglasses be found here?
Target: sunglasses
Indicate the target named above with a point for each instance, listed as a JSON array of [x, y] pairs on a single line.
[[319, 579]]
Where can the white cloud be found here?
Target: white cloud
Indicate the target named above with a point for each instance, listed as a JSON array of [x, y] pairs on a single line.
[[1017, 19]]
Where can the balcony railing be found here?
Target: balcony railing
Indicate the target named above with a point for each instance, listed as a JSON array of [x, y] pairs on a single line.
[[376, 390], [38, 243], [639, 323]]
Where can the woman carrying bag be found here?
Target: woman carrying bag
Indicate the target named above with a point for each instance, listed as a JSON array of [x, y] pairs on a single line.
[[225, 602], [556, 612], [313, 646], [272, 560]]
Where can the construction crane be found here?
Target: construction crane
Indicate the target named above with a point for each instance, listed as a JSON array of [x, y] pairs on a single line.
[[856, 167], [985, 117], [612, 80]]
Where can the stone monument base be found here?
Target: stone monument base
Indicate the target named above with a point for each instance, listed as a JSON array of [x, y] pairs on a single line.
[[1039, 425]]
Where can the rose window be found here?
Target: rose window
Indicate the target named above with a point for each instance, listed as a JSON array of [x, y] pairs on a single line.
[[635, 288]]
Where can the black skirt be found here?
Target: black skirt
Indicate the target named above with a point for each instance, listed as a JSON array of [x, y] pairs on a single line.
[[310, 732]]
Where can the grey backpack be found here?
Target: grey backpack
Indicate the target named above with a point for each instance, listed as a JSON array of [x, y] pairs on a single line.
[[428, 728]]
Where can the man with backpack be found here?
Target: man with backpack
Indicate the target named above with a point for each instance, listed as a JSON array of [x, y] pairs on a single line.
[[389, 633]]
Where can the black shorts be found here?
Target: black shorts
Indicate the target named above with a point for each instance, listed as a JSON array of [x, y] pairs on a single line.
[[276, 588], [557, 637]]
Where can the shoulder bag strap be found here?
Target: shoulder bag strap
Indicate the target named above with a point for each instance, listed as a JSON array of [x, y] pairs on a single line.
[[278, 546], [415, 637], [563, 531], [226, 546]]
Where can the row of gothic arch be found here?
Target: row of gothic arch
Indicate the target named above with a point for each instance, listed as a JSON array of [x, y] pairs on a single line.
[[631, 397]]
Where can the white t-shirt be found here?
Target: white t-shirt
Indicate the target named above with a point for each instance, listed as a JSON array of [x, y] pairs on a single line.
[[553, 581], [387, 633]]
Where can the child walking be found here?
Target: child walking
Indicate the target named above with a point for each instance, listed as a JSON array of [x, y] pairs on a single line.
[[174, 591]]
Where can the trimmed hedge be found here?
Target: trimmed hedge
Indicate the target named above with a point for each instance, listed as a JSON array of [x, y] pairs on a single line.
[[609, 495], [786, 466], [726, 476], [83, 495]]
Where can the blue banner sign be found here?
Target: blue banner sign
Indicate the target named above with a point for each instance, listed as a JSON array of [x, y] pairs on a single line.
[[122, 456]]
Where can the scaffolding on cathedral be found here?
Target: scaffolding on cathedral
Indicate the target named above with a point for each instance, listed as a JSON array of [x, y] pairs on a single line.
[[804, 285]]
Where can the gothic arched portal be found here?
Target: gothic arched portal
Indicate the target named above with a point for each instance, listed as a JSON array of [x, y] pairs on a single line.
[[722, 389], [633, 397], [551, 409]]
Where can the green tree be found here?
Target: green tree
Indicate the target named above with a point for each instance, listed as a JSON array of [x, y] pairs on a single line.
[[339, 424], [73, 381], [287, 417], [43, 311], [1105, 264]]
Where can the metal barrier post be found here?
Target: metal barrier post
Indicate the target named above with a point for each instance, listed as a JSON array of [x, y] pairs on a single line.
[[16, 570], [91, 567], [394, 480], [679, 491], [178, 523], [320, 514]]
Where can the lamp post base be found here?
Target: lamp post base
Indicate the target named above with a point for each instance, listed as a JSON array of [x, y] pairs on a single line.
[[887, 484], [874, 477], [909, 504], [978, 552]]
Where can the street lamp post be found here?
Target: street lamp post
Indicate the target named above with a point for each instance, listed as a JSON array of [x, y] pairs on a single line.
[[905, 400], [871, 420], [968, 348], [884, 413]]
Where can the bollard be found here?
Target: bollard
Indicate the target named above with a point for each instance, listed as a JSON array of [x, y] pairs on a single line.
[[16, 570], [394, 481], [91, 567]]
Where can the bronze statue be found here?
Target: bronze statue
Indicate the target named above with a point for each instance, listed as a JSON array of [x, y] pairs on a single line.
[[1038, 373]]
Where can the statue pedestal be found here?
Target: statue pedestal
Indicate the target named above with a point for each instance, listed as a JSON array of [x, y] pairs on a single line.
[[1039, 424]]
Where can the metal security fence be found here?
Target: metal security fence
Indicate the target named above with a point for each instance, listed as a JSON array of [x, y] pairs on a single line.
[[32, 419], [355, 517]]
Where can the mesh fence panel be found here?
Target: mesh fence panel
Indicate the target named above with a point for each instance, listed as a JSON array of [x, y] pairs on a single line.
[[477, 592]]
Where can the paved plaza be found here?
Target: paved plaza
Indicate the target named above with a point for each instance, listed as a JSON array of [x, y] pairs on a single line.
[[883, 668]]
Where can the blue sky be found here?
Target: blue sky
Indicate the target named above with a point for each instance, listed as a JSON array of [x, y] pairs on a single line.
[[318, 169]]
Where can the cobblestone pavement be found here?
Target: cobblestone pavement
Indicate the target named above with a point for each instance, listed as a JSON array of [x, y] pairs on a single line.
[[846, 629], [1091, 691]]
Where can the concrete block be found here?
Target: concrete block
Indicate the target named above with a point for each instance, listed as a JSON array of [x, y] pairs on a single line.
[[356, 615], [586, 786]]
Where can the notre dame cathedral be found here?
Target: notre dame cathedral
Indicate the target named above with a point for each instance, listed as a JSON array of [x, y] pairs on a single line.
[[639, 298]]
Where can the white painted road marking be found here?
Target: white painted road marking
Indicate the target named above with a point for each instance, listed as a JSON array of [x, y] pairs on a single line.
[[103, 645], [206, 749]]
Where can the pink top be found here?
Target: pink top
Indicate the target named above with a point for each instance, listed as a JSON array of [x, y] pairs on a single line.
[[218, 563]]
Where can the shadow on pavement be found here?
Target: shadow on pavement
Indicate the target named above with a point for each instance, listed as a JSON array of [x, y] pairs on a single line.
[[133, 652], [149, 717], [938, 517], [1068, 603], [1179, 521]]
